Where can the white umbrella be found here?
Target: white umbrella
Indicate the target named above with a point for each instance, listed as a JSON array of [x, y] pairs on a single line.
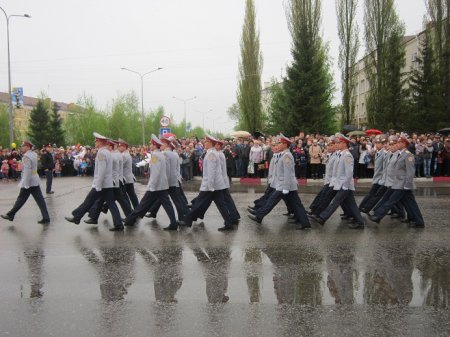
[[240, 134]]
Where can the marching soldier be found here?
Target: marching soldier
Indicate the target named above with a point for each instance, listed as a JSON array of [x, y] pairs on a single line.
[[102, 186], [402, 186], [211, 189], [29, 184], [128, 176], [344, 187], [48, 165], [285, 185], [157, 189]]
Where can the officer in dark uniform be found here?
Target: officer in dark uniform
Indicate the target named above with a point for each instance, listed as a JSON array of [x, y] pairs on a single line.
[[102, 186], [48, 165], [29, 184]]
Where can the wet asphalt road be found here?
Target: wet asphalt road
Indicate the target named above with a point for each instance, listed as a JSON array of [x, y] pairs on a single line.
[[261, 280]]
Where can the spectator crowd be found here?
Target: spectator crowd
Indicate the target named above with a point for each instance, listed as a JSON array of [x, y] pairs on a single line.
[[249, 157]]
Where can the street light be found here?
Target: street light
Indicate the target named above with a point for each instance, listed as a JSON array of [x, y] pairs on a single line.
[[203, 116], [184, 101], [11, 115], [142, 95]]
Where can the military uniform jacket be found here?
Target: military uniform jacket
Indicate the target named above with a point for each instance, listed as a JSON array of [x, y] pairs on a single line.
[[344, 172], [284, 174], [378, 167], [333, 168], [223, 166], [272, 166], [47, 161], [128, 176], [404, 172], [158, 175], [329, 168], [103, 172], [30, 177], [117, 168], [172, 168], [212, 172], [179, 160], [390, 168]]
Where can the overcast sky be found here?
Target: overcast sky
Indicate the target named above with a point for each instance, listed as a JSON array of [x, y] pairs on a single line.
[[74, 46]]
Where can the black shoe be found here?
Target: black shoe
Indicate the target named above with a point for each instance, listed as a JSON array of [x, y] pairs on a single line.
[[171, 228], [254, 218], [44, 221], [128, 224], [91, 221], [302, 226], [183, 223], [396, 216], [413, 224], [317, 219], [150, 215], [251, 212], [356, 225], [7, 217], [116, 229], [105, 209], [225, 228], [73, 220], [251, 208], [51, 192], [235, 222], [363, 210], [374, 218]]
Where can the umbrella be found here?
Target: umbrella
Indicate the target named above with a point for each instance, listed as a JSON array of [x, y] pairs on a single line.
[[445, 131], [373, 132], [240, 134], [356, 133]]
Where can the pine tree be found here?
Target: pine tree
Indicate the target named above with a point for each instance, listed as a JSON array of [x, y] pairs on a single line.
[[39, 125], [308, 86], [56, 134], [250, 67]]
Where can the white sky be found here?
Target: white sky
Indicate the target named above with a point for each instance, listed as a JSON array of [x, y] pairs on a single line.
[[73, 46]]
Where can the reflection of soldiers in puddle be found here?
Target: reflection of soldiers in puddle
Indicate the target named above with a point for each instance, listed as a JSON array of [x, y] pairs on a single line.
[[166, 263], [253, 265], [388, 279], [341, 273], [434, 267], [216, 264], [115, 268], [34, 255], [297, 274]]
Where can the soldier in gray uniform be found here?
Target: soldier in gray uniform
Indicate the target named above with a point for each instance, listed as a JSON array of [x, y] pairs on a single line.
[[285, 185], [102, 186], [344, 186], [157, 189], [29, 184], [402, 186], [128, 176], [211, 189]]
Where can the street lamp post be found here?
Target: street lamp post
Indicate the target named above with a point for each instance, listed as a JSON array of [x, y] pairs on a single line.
[[11, 115], [203, 117], [184, 102], [141, 75]]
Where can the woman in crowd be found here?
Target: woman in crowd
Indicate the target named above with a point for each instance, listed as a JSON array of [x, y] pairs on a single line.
[[256, 156]]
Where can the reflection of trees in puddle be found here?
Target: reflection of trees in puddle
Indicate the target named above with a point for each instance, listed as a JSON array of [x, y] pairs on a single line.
[[434, 266], [388, 277], [341, 273], [297, 275]]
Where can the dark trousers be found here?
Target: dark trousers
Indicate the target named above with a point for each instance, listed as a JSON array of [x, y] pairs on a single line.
[[129, 188], [325, 200], [119, 196], [105, 195], [178, 199], [374, 196], [405, 198], [230, 206], [345, 199], [319, 198], [413, 210], [24, 194], [49, 177], [396, 208], [259, 202], [147, 201], [202, 202]]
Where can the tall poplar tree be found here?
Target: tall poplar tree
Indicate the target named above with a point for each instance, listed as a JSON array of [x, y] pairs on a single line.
[[348, 32], [384, 61], [308, 87], [39, 125], [250, 67], [56, 134]]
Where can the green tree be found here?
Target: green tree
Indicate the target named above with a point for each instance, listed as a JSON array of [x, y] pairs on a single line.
[[308, 87], [276, 109], [348, 32], [38, 129], [56, 134], [4, 126], [250, 67], [126, 120]]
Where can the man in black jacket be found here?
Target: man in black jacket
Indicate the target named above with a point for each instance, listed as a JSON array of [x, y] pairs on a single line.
[[48, 165]]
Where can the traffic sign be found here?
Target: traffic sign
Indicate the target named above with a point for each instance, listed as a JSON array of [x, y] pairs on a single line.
[[163, 131], [164, 121]]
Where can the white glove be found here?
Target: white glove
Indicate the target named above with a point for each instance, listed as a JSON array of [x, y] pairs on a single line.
[[212, 190], [285, 192], [98, 189]]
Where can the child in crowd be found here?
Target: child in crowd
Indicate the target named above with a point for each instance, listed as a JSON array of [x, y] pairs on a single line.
[[83, 168], [58, 168], [4, 170]]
